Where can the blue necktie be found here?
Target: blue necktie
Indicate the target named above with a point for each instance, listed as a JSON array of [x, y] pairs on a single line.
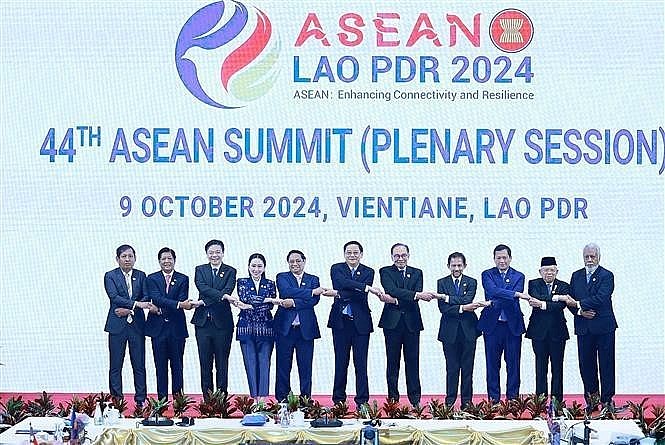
[[502, 315], [457, 285], [588, 276]]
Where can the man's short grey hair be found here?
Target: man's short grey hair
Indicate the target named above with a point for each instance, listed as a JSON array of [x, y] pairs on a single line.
[[594, 247]]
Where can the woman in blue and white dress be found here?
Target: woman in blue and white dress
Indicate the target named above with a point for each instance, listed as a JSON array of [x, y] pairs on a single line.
[[255, 330]]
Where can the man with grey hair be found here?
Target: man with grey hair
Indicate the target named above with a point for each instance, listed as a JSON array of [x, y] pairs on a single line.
[[590, 301]]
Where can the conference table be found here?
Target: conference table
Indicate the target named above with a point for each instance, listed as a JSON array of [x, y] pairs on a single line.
[[398, 431]]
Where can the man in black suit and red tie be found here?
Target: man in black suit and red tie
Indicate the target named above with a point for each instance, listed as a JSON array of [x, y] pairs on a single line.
[[212, 318], [401, 321], [351, 321], [125, 287], [547, 326], [166, 324], [595, 325], [458, 328]]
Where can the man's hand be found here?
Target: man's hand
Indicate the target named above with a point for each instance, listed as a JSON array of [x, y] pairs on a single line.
[[470, 307], [187, 304], [522, 295], [197, 303], [319, 290], [230, 298], [153, 309], [143, 304], [534, 302], [375, 290], [388, 299], [330, 293], [589, 314], [425, 296], [122, 312], [288, 302]]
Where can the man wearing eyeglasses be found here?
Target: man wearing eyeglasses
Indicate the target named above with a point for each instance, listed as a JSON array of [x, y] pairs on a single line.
[[296, 324], [401, 321]]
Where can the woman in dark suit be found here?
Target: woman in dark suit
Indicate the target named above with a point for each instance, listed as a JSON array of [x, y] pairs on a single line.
[[255, 330]]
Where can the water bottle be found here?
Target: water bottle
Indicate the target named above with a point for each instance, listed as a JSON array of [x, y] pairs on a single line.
[[98, 419], [283, 416]]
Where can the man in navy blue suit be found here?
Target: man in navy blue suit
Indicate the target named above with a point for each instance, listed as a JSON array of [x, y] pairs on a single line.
[[125, 287], [296, 324], [458, 327], [351, 321], [166, 324], [401, 321], [595, 326], [212, 318], [502, 323]]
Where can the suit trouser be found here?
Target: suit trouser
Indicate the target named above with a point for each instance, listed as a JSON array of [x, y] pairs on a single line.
[[502, 342], [546, 352], [395, 339], [133, 337], [304, 349], [460, 356], [168, 350], [596, 351], [344, 341], [214, 345], [256, 355]]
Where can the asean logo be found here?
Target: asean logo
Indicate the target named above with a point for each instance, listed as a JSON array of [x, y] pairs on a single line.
[[511, 30], [226, 54]]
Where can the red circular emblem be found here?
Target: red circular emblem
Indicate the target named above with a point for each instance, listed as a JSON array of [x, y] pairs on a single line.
[[511, 30]]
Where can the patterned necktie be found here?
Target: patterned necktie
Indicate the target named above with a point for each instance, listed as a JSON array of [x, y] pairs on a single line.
[[168, 282], [588, 276], [549, 289], [128, 282]]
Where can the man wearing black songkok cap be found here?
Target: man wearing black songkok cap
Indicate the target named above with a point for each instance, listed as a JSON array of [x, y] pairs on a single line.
[[547, 326]]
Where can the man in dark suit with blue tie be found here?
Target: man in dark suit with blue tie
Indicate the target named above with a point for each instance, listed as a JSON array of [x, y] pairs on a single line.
[[547, 326], [595, 325], [125, 287], [296, 324], [351, 321], [166, 324], [502, 323], [401, 321], [458, 327], [212, 318]]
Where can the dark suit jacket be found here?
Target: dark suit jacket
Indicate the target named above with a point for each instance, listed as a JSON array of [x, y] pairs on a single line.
[[597, 296], [548, 324], [116, 289], [502, 295], [287, 286], [211, 289], [452, 321], [404, 289], [351, 291], [156, 325]]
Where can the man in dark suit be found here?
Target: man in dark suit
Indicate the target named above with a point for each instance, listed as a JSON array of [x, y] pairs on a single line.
[[401, 321], [212, 318], [125, 287], [502, 323], [166, 324], [458, 327], [296, 324], [547, 326], [351, 321], [595, 325]]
